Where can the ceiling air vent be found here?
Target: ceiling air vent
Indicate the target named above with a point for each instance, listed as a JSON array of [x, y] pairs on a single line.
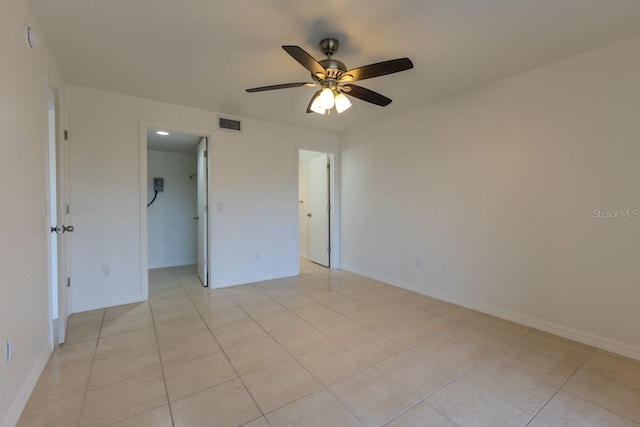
[[228, 124]]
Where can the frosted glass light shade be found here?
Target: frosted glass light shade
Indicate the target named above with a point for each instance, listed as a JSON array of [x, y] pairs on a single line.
[[326, 99], [315, 106], [342, 103]]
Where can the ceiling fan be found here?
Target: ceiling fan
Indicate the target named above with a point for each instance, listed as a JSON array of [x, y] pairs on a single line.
[[334, 79]]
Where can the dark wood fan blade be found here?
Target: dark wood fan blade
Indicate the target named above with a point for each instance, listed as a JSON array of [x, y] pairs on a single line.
[[282, 86], [378, 69], [313, 98], [306, 60], [367, 95]]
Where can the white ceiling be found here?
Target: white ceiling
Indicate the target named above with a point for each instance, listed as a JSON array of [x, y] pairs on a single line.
[[204, 53], [174, 142]]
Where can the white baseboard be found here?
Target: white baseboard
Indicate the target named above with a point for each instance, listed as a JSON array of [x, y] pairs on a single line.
[[18, 404], [540, 324], [304, 255], [104, 304], [175, 263]]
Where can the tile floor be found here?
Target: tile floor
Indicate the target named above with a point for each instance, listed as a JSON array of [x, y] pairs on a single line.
[[326, 348]]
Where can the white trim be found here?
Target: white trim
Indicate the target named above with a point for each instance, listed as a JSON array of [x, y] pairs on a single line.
[[17, 406], [176, 263], [540, 324], [108, 303]]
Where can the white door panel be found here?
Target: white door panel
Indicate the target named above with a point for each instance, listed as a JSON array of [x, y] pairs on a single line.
[[202, 211], [319, 210]]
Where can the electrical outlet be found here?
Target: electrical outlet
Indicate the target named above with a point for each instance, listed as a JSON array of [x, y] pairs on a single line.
[[419, 263], [106, 270], [10, 350]]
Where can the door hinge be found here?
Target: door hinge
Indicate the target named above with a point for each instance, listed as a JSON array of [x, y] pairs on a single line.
[[205, 154], [68, 282], [68, 210], [329, 248], [66, 135]]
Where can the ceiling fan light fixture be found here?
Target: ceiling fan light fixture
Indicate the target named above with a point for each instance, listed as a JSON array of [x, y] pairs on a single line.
[[333, 79], [315, 106], [326, 99], [342, 103]]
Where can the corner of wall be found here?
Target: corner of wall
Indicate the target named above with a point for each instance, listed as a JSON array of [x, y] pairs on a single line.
[[22, 397]]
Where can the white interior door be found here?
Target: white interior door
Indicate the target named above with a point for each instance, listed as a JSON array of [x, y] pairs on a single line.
[[318, 214], [202, 211], [58, 218]]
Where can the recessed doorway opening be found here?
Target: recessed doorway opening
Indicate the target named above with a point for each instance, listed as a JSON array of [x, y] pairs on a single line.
[[176, 196], [315, 199]]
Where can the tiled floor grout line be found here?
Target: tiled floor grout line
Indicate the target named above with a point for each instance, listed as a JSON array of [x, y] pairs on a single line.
[[599, 406], [323, 386], [93, 359], [560, 387], [315, 283], [223, 352], [373, 365], [491, 356], [164, 378], [290, 354]]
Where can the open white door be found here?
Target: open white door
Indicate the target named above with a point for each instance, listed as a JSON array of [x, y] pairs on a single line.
[[319, 243], [59, 225], [202, 211]]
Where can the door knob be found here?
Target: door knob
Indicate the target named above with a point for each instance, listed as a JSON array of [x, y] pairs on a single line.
[[68, 228], [309, 214], [57, 229]]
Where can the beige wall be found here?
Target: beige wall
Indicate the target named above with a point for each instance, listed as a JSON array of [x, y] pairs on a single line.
[[494, 192], [24, 293]]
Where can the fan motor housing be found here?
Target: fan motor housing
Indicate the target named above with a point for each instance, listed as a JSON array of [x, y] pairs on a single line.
[[334, 67]]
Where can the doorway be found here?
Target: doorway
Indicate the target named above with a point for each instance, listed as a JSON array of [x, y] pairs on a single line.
[[314, 206], [177, 194]]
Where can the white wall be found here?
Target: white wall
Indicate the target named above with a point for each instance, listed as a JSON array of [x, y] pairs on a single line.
[[303, 208], [254, 180], [24, 290], [172, 229], [494, 190]]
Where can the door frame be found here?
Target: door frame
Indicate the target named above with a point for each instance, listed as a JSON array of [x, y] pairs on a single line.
[[144, 125], [205, 279], [334, 199], [60, 151]]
